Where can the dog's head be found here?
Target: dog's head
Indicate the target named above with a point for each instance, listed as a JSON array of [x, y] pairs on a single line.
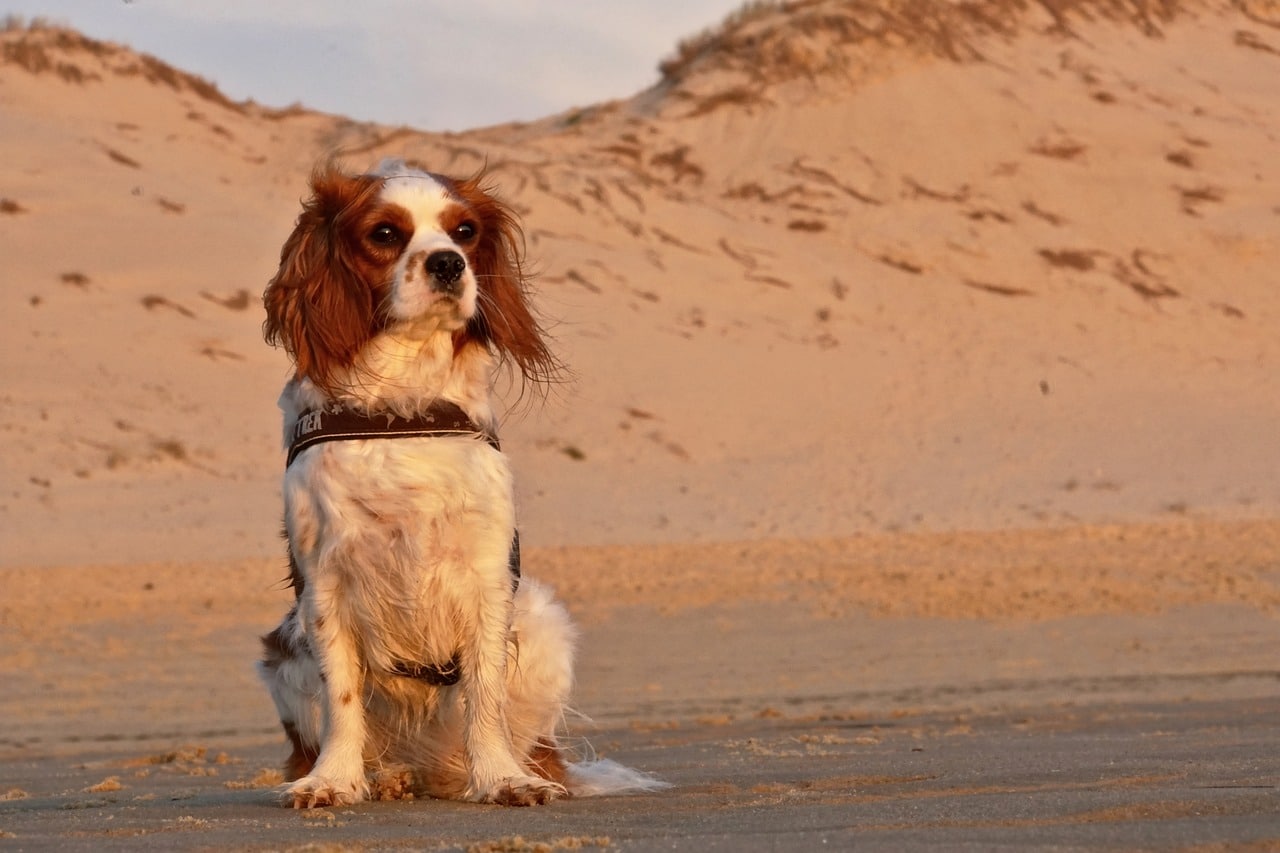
[[406, 251]]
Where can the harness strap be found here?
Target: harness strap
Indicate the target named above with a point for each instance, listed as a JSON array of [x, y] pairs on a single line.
[[315, 426], [437, 675]]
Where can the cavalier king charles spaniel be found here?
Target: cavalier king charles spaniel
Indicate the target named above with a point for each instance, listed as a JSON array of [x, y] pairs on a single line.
[[415, 658]]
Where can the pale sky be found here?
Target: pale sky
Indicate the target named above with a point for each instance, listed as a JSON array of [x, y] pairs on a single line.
[[427, 64]]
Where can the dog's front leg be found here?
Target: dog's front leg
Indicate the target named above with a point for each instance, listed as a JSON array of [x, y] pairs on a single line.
[[338, 777], [496, 775]]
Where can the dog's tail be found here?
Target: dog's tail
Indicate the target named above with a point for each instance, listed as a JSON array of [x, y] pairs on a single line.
[[602, 776]]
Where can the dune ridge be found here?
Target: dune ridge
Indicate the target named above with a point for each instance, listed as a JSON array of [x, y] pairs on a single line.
[[765, 44]]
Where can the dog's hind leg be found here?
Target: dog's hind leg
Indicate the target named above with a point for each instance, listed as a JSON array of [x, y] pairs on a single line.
[[292, 677], [539, 678]]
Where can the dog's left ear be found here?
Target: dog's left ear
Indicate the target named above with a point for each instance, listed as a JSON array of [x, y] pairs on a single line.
[[504, 319]]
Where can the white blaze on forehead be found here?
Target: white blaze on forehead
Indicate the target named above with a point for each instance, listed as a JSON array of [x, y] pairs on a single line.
[[424, 198], [415, 298]]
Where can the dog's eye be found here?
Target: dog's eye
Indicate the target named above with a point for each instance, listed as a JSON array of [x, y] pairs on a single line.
[[464, 232], [385, 235]]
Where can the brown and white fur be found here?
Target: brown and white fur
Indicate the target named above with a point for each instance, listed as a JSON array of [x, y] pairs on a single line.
[[395, 289]]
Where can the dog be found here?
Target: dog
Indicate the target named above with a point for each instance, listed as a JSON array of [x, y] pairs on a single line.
[[415, 658]]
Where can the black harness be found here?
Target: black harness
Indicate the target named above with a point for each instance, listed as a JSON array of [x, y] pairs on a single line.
[[441, 418]]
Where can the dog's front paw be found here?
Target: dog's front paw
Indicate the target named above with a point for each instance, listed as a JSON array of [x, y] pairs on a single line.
[[314, 791], [524, 791]]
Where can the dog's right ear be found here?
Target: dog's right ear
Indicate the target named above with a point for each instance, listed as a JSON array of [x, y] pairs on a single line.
[[317, 306]]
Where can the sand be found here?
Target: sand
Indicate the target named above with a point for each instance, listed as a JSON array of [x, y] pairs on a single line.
[[915, 484], [783, 711]]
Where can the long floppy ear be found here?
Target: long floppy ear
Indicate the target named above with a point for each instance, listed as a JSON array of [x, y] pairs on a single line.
[[318, 307], [505, 321]]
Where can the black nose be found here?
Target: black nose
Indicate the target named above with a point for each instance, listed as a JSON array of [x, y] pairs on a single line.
[[446, 267]]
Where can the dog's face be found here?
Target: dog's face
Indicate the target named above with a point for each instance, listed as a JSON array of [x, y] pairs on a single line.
[[406, 251], [423, 237]]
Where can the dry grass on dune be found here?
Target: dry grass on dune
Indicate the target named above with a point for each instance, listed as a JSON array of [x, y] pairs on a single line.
[[770, 42], [40, 47]]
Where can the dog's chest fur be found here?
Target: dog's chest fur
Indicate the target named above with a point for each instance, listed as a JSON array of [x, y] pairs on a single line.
[[405, 534]]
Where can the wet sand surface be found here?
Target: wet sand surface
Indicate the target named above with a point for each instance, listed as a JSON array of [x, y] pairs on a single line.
[[1155, 775]]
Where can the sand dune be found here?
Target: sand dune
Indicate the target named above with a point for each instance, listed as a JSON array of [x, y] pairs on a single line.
[[1024, 276]]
